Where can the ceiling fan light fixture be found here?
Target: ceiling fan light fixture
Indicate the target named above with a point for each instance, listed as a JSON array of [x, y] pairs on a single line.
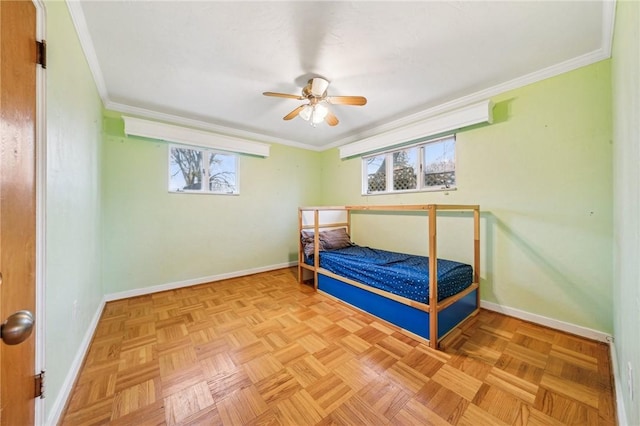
[[319, 113], [305, 113], [317, 110], [314, 114]]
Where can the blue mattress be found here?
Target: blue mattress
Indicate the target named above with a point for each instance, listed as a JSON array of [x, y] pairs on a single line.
[[402, 274]]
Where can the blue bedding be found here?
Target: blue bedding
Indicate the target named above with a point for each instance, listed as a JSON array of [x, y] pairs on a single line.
[[402, 274]]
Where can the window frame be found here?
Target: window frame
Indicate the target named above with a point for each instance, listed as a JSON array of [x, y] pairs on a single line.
[[204, 187], [389, 172]]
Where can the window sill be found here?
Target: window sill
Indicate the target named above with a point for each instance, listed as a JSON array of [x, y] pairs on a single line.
[[203, 192], [412, 191]]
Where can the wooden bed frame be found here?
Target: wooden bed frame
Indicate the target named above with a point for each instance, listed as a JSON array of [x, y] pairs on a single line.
[[435, 319]]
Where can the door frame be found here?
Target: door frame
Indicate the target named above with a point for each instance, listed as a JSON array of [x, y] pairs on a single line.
[[41, 192]]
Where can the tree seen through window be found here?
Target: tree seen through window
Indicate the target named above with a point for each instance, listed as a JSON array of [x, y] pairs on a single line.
[[187, 173]]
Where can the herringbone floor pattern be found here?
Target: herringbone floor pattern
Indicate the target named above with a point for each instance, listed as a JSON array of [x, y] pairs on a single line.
[[265, 350]]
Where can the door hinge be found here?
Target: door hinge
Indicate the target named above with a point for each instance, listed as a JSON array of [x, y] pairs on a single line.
[[39, 385], [41, 48]]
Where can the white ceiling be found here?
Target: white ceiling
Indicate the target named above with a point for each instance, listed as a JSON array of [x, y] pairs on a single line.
[[206, 63]]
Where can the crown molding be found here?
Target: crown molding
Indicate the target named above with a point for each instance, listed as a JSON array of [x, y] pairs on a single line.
[[86, 42], [534, 77], [604, 52]]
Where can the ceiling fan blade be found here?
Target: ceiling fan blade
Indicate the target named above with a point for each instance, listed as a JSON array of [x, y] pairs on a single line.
[[283, 95], [294, 113], [347, 100], [331, 119]]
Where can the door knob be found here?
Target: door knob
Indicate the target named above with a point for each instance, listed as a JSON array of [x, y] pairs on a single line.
[[17, 328]]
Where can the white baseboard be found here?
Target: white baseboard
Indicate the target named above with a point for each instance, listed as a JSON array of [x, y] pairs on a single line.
[[549, 322], [620, 411], [62, 397], [579, 331], [194, 281], [61, 400]]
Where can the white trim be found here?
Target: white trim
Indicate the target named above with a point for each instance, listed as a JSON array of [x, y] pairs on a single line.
[[604, 52], [572, 64], [203, 125], [460, 103], [195, 281], [80, 24], [516, 83], [67, 386], [60, 402], [179, 134], [578, 330], [65, 391], [617, 378], [41, 198], [481, 112]]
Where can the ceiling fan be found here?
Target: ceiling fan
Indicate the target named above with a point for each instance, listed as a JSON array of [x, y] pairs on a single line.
[[317, 110]]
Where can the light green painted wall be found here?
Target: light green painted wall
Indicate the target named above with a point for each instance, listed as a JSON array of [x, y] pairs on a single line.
[[542, 176], [154, 237], [626, 125], [73, 263]]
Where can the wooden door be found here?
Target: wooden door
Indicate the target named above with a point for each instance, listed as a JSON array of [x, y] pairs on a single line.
[[17, 203]]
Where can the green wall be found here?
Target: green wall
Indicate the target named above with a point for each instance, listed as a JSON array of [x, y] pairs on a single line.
[[626, 178], [542, 176], [73, 263], [153, 237]]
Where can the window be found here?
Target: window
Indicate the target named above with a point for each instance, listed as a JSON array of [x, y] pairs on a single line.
[[202, 171], [429, 166]]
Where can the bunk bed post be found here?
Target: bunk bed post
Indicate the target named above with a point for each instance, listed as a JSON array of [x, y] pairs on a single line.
[[316, 247], [300, 259], [433, 278], [476, 252]]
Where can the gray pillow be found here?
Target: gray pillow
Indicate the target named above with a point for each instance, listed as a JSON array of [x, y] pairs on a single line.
[[307, 243], [334, 239], [331, 239]]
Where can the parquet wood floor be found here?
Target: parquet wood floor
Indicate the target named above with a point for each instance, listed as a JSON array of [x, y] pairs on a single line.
[[264, 349]]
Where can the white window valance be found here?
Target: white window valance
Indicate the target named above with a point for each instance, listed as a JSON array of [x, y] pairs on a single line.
[[481, 112], [194, 137]]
